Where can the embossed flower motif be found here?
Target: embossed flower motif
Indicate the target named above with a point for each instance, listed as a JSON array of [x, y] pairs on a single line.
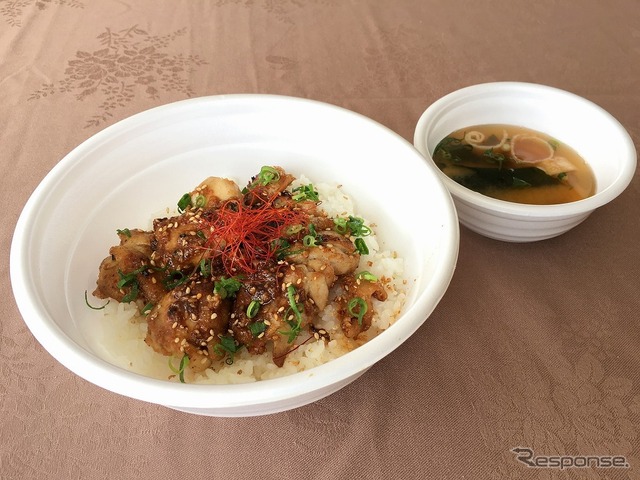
[[134, 64], [129, 62], [13, 10], [94, 66]]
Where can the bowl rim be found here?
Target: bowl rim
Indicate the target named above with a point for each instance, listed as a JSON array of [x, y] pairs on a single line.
[[505, 208], [221, 398]]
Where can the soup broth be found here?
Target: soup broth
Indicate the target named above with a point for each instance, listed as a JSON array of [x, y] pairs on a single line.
[[515, 164]]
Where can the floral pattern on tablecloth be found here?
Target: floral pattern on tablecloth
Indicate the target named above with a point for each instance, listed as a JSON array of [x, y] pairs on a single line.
[[13, 10], [128, 63]]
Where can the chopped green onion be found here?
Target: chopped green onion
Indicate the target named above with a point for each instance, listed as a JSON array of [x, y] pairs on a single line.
[[227, 287], [361, 247], [340, 225], [132, 295], [125, 231], [256, 328], [201, 235], [353, 226], [228, 346], [293, 229], [295, 326], [127, 279], [361, 308], [205, 267], [184, 361], [252, 309], [268, 175], [184, 202], [309, 241], [130, 280], [174, 279], [201, 201], [367, 276], [147, 308], [91, 306], [305, 192]]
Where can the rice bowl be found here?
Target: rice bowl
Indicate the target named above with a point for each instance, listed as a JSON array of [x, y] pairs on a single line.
[[151, 156]]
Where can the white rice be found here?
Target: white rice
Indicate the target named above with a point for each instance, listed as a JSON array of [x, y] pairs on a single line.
[[121, 331]]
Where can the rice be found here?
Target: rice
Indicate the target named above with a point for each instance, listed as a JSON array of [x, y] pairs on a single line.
[[121, 331]]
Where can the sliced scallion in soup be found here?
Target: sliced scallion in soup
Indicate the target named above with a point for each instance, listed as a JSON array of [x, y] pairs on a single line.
[[515, 164]]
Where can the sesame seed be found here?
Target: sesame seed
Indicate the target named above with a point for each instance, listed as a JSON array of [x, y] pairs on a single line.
[[187, 290], [203, 361], [176, 340], [199, 296], [193, 316], [261, 334], [175, 324], [281, 309], [214, 316]]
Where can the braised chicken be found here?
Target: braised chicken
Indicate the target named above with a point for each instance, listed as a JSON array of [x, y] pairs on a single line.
[[189, 320], [251, 268], [355, 303]]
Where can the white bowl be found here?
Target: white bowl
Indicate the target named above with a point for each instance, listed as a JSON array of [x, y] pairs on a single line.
[[139, 166], [592, 132]]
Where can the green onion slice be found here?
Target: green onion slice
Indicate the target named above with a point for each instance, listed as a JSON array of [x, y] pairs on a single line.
[[175, 279], [357, 307], [256, 328], [184, 361], [226, 346], [201, 201], [305, 192], [309, 241], [253, 308], [361, 247], [86, 300], [227, 287], [268, 175], [364, 275], [184, 202]]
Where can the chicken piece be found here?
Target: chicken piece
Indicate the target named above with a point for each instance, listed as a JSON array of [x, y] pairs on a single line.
[[179, 242], [216, 191], [356, 294], [267, 185], [274, 320], [333, 249], [128, 265], [190, 320], [310, 208]]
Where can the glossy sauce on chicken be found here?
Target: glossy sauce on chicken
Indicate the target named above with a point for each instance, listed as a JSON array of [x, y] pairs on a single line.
[[242, 268]]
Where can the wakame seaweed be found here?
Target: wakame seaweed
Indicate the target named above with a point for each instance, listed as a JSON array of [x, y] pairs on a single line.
[[483, 179], [492, 174]]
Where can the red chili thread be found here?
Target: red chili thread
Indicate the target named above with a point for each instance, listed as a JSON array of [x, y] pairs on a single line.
[[243, 235]]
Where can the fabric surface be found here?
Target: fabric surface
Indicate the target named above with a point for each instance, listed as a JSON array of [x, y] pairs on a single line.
[[533, 346]]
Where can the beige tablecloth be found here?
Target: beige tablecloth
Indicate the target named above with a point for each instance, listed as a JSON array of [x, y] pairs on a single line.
[[533, 346]]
